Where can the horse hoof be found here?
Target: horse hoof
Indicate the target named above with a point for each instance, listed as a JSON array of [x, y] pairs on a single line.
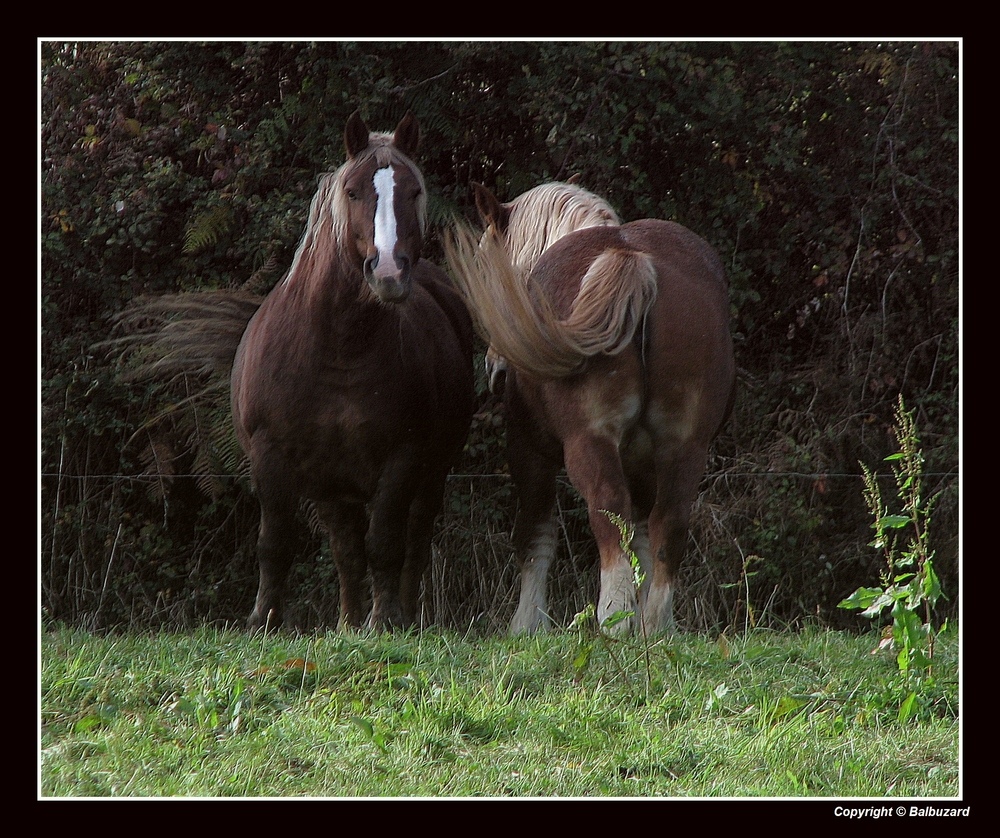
[[388, 619], [258, 622]]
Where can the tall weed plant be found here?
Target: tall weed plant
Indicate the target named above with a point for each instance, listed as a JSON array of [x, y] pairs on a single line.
[[909, 587]]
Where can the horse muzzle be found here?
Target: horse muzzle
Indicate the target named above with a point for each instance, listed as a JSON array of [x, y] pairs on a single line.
[[392, 283], [496, 371]]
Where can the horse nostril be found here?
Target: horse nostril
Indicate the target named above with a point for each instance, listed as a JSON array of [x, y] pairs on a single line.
[[370, 263]]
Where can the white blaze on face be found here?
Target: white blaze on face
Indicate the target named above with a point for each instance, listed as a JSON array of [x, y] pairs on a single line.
[[385, 222]]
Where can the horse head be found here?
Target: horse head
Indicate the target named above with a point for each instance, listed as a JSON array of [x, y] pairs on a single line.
[[385, 205], [491, 211]]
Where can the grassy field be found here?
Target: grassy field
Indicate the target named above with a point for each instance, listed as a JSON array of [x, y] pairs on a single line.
[[217, 713]]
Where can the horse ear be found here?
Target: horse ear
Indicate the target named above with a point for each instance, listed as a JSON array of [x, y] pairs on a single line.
[[355, 135], [407, 135], [491, 211]]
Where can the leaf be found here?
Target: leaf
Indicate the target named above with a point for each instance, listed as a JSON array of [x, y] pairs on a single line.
[[581, 661], [207, 228], [614, 619], [861, 598], [723, 646], [906, 708], [893, 521], [932, 585], [879, 605], [716, 696], [364, 726], [87, 723], [885, 642], [787, 705]]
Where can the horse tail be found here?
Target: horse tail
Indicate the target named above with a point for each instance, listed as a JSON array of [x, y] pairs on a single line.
[[177, 335], [520, 323], [615, 293]]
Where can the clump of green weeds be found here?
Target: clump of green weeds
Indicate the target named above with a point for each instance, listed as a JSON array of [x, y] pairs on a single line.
[[910, 587]]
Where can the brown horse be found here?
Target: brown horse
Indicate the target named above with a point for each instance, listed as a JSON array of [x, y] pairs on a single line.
[[353, 386], [621, 369], [351, 383]]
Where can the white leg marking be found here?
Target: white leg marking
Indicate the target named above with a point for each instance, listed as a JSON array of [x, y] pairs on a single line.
[[532, 608], [385, 221], [658, 611], [617, 594]]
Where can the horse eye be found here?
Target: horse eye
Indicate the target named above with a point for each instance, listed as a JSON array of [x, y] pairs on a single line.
[[352, 195]]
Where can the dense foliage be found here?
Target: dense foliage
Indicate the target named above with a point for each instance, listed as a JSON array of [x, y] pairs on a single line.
[[826, 174]]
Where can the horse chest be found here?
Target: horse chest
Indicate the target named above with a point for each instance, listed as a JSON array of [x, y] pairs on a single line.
[[332, 426]]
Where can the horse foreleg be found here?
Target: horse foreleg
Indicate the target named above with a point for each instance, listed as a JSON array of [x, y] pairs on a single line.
[[420, 531], [345, 525], [594, 466], [534, 535], [276, 546], [385, 544]]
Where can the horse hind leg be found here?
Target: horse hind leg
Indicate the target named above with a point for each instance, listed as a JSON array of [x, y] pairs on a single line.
[[534, 551], [594, 467], [642, 488], [668, 535], [670, 541]]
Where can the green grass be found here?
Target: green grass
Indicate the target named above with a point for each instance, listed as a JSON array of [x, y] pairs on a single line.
[[220, 714]]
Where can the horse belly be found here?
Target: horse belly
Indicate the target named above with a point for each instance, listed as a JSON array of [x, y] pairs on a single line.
[[353, 446], [334, 451]]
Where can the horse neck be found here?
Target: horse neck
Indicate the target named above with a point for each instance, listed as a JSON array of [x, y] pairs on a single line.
[[330, 297]]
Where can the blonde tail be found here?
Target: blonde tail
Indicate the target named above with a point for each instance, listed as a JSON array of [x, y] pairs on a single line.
[[521, 325]]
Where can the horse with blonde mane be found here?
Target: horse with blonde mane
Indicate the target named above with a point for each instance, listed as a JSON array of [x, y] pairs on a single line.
[[621, 370], [351, 382]]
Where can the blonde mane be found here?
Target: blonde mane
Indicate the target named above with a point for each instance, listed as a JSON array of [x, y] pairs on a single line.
[[326, 236], [543, 215]]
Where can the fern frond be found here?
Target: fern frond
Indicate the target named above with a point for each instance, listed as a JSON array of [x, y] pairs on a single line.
[[207, 228]]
